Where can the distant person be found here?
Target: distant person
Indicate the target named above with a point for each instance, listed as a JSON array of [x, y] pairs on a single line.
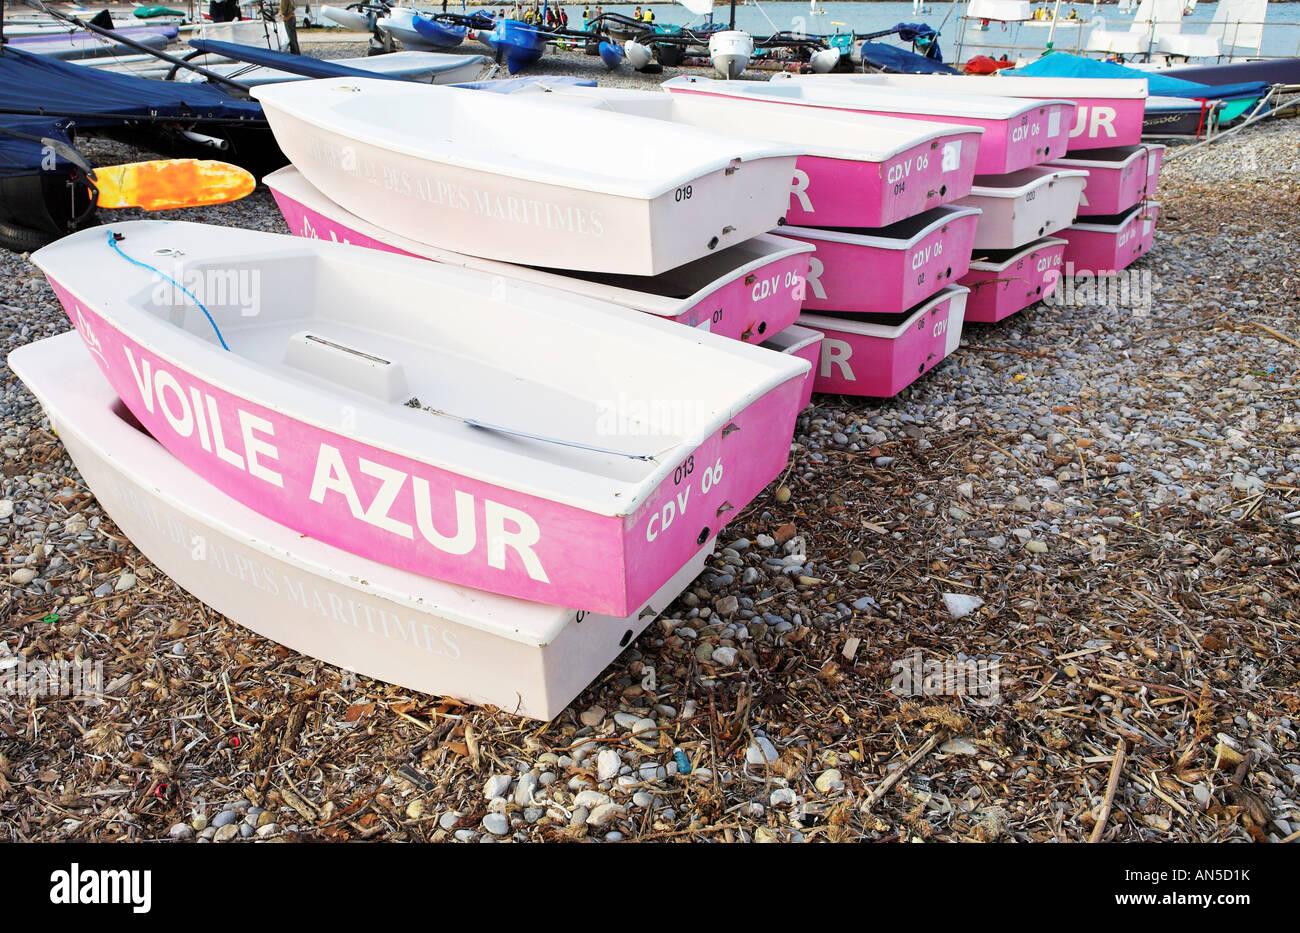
[[564, 18], [637, 14], [649, 15], [290, 27]]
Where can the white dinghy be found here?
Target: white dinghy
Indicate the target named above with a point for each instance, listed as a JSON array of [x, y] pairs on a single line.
[[526, 658], [460, 425], [747, 292], [488, 175]]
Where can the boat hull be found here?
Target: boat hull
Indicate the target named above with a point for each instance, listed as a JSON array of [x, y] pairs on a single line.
[[829, 192], [748, 299], [536, 223], [862, 357], [1005, 285], [805, 343], [519, 44], [730, 52], [525, 658], [1112, 244], [887, 270], [1117, 179], [624, 559], [1025, 206]]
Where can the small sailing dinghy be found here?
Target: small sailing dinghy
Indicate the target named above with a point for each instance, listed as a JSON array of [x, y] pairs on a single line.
[[854, 170], [888, 269], [745, 292], [455, 424], [456, 169], [526, 658], [1117, 178], [1017, 133], [1024, 206], [1108, 112], [1005, 282]]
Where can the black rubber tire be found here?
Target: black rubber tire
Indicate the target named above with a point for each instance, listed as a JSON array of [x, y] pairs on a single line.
[[24, 239]]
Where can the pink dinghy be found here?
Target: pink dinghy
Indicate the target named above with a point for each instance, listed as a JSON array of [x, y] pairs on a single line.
[[1104, 246], [744, 292], [1017, 133], [1024, 206], [1117, 179], [1108, 111], [890, 269], [854, 170], [528, 659], [881, 355], [463, 426], [1004, 283], [805, 343]]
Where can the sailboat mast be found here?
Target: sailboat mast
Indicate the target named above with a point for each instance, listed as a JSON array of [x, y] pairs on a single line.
[[733, 15]]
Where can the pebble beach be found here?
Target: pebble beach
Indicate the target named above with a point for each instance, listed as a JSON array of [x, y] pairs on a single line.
[[1095, 505]]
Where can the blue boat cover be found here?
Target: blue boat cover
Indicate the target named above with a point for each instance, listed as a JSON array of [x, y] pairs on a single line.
[[1065, 65], [303, 65], [901, 61], [20, 156], [40, 96], [43, 86], [921, 35]]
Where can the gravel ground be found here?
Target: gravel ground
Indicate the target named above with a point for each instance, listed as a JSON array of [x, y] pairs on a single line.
[[1089, 514]]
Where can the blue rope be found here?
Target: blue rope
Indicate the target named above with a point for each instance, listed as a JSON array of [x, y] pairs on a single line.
[[112, 241]]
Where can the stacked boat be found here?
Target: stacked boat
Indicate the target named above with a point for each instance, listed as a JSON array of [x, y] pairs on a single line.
[[467, 477], [1097, 172]]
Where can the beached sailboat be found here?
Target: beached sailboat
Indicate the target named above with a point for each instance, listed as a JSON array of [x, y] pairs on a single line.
[[854, 170], [1017, 133], [612, 193], [455, 424], [746, 292], [528, 658]]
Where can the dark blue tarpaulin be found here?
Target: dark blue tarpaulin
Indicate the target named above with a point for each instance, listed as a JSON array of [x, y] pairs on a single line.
[[25, 153], [1065, 65], [900, 61], [46, 86]]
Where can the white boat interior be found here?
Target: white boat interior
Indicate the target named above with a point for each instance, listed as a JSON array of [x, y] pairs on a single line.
[[480, 375]]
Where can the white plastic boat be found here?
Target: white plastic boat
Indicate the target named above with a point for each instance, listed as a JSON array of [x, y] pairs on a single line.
[[399, 23], [460, 425], [745, 292], [426, 67], [730, 51], [245, 32], [854, 170], [1017, 133], [353, 20], [528, 659], [1108, 112], [488, 175], [1024, 206]]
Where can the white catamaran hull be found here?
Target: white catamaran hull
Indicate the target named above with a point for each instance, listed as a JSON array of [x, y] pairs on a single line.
[[730, 52]]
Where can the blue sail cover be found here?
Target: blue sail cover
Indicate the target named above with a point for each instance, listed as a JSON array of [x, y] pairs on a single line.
[[900, 61], [21, 156], [1065, 65], [39, 85]]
